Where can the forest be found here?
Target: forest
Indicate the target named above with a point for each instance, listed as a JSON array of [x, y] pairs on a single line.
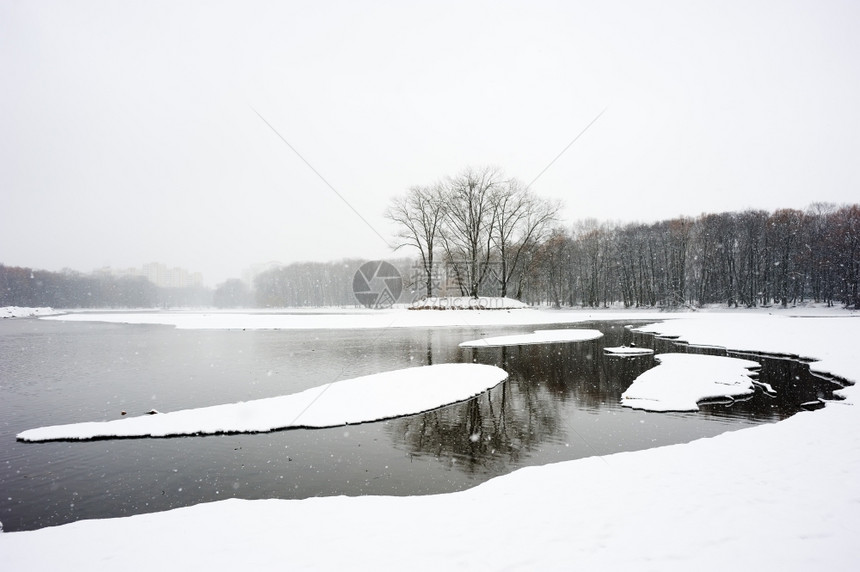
[[498, 238], [748, 259], [22, 286], [751, 258]]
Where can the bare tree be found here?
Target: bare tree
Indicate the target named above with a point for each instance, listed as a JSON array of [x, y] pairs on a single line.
[[469, 225], [522, 221], [821, 254], [419, 216], [551, 267], [594, 251], [636, 276], [846, 238], [674, 239], [783, 237]]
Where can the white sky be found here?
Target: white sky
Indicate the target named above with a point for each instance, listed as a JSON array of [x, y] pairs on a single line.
[[128, 132]]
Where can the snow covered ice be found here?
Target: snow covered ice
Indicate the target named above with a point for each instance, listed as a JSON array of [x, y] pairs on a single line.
[[681, 381], [628, 351], [358, 400], [538, 337]]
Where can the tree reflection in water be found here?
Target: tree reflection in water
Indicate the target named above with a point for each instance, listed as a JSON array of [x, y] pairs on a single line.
[[554, 394], [496, 430]]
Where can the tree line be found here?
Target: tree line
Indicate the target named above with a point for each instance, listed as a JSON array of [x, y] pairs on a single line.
[[304, 284], [498, 238], [316, 284], [22, 286], [311, 284], [750, 258]]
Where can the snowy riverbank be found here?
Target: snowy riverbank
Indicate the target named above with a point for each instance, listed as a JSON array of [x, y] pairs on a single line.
[[19, 312], [782, 496]]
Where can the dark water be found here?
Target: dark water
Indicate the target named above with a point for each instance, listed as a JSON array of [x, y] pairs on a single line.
[[560, 403]]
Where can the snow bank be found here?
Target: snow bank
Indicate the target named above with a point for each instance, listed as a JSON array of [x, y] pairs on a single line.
[[681, 381], [538, 337], [822, 339], [358, 400], [362, 318], [19, 312], [359, 319]]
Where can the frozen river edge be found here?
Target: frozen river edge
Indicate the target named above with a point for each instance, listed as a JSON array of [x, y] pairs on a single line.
[[774, 496]]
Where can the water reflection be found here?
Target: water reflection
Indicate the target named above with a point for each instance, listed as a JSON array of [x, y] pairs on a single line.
[[551, 386]]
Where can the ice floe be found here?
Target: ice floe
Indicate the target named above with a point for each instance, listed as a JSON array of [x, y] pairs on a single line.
[[628, 351], [680, 381], [368, 398], [537, 337]]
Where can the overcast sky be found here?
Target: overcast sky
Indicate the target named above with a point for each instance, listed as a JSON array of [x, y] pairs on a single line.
[[128, 131]]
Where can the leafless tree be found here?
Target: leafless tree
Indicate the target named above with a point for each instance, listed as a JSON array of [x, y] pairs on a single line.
[[469, 225], [523, 220], [846, 239], [419, 216]]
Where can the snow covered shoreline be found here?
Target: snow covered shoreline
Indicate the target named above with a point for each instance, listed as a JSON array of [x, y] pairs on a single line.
[[328, 318], [466, 303], [20, 312], [782, 496]]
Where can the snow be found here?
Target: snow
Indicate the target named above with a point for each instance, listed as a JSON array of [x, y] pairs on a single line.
[[814, 337], [781, 496], [628, 351], [358, 400], [466, 303], [21, 312], [355, 319], [680, 381], [538, 337]]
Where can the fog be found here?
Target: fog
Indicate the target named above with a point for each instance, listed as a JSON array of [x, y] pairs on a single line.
[[129, 132]]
